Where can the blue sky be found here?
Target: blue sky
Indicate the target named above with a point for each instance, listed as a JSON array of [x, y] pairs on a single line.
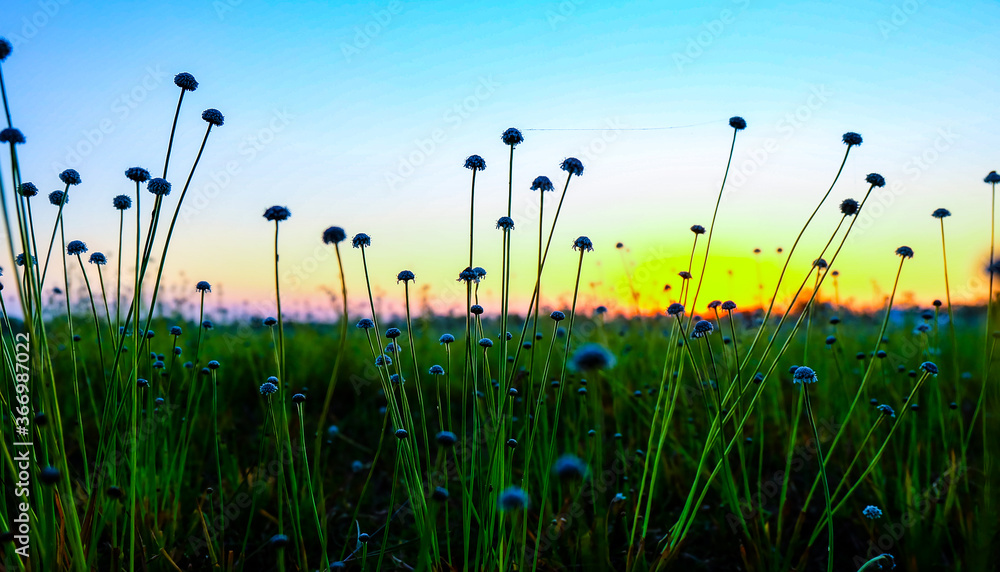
[[361, 115]]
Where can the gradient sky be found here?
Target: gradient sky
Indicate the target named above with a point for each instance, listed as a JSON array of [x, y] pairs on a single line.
[[362, 114]]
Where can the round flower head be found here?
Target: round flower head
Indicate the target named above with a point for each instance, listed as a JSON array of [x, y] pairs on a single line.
[[364, 324], [267, 388], [436, 370], [737, 123], [849, 207], [476, 309], [19, 260], [675, 309], [941, 213], [404, 276], [207, 324], [279, 541], [569, 467], [185, 81], [98, 258], [905, 251], [819, 263], [583, 244], [393, 333], [76, 247], [476, 163], [5, 49], [277, 213], [684, 274], [334, 235], [557, 316], [49, 475], [401, 434], [203, 286], [714, 304], [468, 275], [70, 177], [446, 438], [729, 305], [158, 186], [886, 410], [512, 137], [27, 189], [213, 117], [701, 329], [269, 321], [486, 343], [446, 339], [506, 223], [12, 136], [440, 494], [58, 198], [122, 202], [592, 357], [542, 183], [137, 174], [298, 398], [929, 367], [176, 330], [361, 240], [383, 360], [851, 138], [513, 498], [875, 180], [993, 178], [872, 512], [480, 273], [698, 229], [830, 340], [804, 375], [572, 165]]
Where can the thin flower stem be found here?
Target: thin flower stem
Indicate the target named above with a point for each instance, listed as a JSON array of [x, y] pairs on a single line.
[[822, 472]]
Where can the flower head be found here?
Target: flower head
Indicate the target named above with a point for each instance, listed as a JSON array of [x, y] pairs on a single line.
[[365, 324], [804, 375], [393, 333], [468, 275], [675, 309], [267, 388], [277, 213], [436, 370], [70, 177], [137, 174], [383, 360], [702, 328], [930, 367], [729, 305], [512, 137], [19, 260], [476, 309], [476, 163], [993, 178], [542, 183], [506, 223], [446, 438], [941, 213], [570, 467], [513, 498], [203, 286], [213, 117], [158, 186], [905, 251], [851, 138], [849, 207], [401, 434], [486, 343], [11, 135], [207, 324], [714, 304], [27, 189], [446, 339], [684, 274], [572, 165], [405, 276], [122, 202], [58, 198], [592, 357], [875, 180], [334, 235], [480, 273], [737, 123], [557, 316], [886, 410], [176, 330], [5, 48], [98, 258], [76, 247], [270, 321], [361, 240], [872, 512], [819, 263], [698, 229], [583, 244], [185, 81]]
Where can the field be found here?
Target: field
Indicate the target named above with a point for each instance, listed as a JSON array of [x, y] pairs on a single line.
[[710, 436]]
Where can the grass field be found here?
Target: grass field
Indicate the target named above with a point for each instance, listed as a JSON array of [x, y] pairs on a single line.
[[797, 436]]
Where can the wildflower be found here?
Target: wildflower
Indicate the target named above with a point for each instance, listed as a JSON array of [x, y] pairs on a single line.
[[569, 467], [269, 321], [506, 223], [929, 367], [486, 343], [737, 123], [176, 330], [851, 138], [557, 316], [714, 304], [512, 137], [357, 466], [279, 541], [12, 136], [476, 309], [849, 207], [804, 375], [436, 370], [572, 165], [334, 235], [122, 202], [542, 183], [729, 305], [213, 364], [702, 328], [446, 339], [468, 276], [392, 349], [480, 273], [401, 434], [361, 240], [583, 244], [905, 251], [49, 475], [830, 340], [363, 323], [298, 398], [872, 512], [875, 180], [383, 360], [76, 247], [405, 276], [142, 382], [601, 310], [185, 81], [58, 198], [440, 494], [758, 378], [513, 498], [476, 163], [267, 388], [27, 189], [213, 117], [137, 174], [5, 49], [993, 178], [886, 410], [446, 438], [158, 186], [941, 213], [675, 309], [819, 263], [698, 229], [70, 177], [921, 329], [207, 324], [392, 333], [927, 314], [277, 213], [684, 274], [591, 357], [98, 258]]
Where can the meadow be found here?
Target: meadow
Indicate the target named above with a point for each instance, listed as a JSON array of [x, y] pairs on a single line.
[[713, 435]]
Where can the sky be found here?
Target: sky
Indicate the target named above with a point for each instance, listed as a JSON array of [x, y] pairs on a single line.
[[361, 115]]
